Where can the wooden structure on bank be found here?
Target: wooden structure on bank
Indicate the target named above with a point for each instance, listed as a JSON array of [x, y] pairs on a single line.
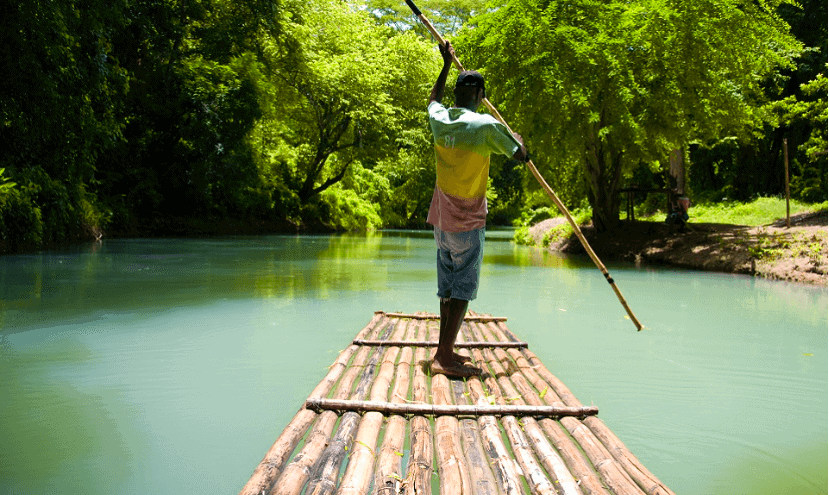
[[380, 423]]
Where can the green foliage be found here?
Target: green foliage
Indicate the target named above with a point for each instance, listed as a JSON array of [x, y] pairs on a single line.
[[5, 183], [21, 226], [120, 115], [613, 84], [345, 210], [761, 211]]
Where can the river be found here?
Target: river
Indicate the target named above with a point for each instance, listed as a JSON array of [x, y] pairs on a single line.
[[168, 366]]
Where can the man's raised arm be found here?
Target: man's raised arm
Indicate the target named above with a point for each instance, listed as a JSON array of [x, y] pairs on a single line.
[[447, 52]]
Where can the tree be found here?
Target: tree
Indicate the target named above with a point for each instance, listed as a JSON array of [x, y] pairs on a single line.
[[614, 84], [346, 95]]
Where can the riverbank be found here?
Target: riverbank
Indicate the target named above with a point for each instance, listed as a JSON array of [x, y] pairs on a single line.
[[797, 254]]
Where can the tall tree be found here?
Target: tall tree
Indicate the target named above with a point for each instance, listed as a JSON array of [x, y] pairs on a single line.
[[346, 95], [614, 84]]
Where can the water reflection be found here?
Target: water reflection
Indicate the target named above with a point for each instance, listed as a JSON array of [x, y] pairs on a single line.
[[130, 362]]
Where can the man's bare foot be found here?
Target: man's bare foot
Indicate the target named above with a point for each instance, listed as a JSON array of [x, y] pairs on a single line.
[[460, 359], [454, 369]]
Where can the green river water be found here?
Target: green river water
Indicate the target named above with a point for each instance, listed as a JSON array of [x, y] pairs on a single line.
[[149, 366]]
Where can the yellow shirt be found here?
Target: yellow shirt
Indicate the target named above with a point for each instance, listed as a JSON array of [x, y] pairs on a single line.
[[464, 140]]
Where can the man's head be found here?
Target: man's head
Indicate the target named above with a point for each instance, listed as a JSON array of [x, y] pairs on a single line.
[[469, 90]]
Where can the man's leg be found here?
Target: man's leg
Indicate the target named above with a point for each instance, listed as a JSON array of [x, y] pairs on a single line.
[[445, 335], [452, 312]]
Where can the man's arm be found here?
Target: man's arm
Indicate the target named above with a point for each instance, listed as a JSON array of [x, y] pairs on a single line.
[[447, 52]]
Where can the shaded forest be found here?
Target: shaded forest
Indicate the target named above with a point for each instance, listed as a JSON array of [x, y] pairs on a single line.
[[184, 117]]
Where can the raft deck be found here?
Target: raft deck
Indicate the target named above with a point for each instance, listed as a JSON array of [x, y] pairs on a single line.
[[380, 423]]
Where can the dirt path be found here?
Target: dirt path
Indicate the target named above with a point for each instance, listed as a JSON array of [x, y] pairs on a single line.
[[772, 251]]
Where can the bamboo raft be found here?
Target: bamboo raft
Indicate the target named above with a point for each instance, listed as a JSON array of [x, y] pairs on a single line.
[[380, 423]]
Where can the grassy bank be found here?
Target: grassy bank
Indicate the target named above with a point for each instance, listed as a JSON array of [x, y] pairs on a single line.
[[761, 211]]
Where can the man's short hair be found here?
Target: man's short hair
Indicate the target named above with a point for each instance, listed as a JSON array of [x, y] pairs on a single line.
[[470, 78]]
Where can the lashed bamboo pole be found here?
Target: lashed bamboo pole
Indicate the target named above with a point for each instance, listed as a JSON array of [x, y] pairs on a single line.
[[612, 473], [429, 316], [419, 470], [274, 461], [323, 480], [483, 481], [504, 469], [580, 467], [386, 408], [640, 474], [536, 477], [454, 475], [388, 474], [434, 343], [547, 189], [358, 473], [298, 471], [513, 384]]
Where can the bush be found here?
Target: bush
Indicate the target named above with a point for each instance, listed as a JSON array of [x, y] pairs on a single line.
[[343, 209], [21, 225]]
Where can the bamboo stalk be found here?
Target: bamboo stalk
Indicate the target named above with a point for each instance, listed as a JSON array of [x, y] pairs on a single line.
[[578, 465], [419, 470], [428, 316], [388, 472], [612, 473], [483, 480], [323, 479], [454, 476], [386, 408], [504, 469], [570, 452], [358, 473], [640, 474], [298, 471], [537, 479], [432, 343], [274, 461]]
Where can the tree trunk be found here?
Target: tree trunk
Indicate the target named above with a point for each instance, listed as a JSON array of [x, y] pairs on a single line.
[[604, 172]]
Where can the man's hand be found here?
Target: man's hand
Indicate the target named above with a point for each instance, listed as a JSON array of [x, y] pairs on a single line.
[[447, 51], [522, 155]]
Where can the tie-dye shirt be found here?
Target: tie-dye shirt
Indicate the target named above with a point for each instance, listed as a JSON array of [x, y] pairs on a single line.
[[463, 142]]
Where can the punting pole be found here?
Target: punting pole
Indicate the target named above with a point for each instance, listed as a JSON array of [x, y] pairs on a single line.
[[553, 196]]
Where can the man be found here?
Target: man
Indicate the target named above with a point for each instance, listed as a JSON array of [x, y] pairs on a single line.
[[464, 140]]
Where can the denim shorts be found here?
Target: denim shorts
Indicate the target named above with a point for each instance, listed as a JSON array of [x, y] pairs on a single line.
[[460, 255]]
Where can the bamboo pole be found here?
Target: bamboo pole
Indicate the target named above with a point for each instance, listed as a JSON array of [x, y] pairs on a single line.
[[483, 480], [513, 384], [429, 316], [358, 473], [419, 470], [537, 479], [578, 465], [454, 475], [386, 408], [298, 471], [433, 343], [611, 471], [649, 483], [504, 469], [547, 189], [388, 473], [274, 461], [323, 479]]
